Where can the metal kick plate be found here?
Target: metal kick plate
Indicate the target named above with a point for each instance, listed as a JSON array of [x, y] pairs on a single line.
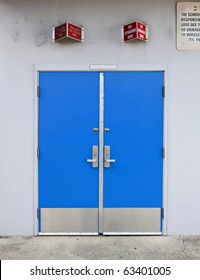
[[132, 220], [69, 220]]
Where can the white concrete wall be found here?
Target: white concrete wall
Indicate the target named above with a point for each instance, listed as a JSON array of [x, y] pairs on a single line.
[[26, 40]]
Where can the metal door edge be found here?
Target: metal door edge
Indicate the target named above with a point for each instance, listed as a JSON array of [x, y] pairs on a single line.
[[133, 233], [100, 67], [67, 233], [101, 149]]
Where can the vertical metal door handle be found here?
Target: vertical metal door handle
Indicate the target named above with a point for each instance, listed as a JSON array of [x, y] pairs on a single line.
[[94, 159], [107, 159]]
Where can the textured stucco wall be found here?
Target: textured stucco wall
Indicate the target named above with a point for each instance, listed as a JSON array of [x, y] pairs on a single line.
[[26, 40]]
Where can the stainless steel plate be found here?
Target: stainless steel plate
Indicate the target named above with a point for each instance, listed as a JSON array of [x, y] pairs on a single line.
[[132, 220], [69, 220]]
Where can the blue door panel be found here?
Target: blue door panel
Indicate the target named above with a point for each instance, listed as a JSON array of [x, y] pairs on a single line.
[[68, 111], [134, 114]]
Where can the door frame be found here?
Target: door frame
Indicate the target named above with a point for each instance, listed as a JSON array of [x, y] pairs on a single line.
[[98, 68]]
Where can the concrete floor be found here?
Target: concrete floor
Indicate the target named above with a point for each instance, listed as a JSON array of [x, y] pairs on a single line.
[[100, 247]]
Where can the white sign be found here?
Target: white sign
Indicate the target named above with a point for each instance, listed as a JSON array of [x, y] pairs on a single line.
[[188, 26]]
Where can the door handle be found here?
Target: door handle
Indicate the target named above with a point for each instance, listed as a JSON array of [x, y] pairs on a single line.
[[107, 159], [91, 160], [110, 160], [94, 159]]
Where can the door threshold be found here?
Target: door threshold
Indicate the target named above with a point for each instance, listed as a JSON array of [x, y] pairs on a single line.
[[133, 233], [97, 234], [67, 233]]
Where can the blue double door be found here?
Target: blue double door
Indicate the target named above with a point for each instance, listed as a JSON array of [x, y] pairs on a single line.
[[100, 142]]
